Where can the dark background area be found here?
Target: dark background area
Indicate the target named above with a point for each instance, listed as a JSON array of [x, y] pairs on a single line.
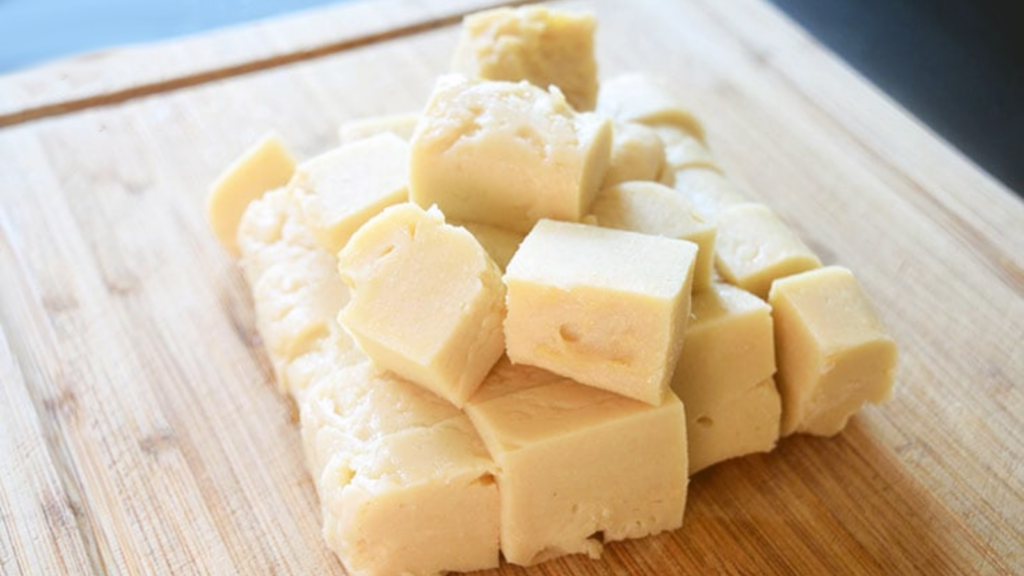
[[958, 65]]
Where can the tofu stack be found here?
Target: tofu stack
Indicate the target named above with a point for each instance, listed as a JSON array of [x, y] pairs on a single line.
[[491, 314]]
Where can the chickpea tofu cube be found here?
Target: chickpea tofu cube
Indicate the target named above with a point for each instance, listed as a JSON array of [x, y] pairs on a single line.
[[607, 308], [833, 352], [506, 154], [427, 301], [542, 46], [574, 461], [755, 248]]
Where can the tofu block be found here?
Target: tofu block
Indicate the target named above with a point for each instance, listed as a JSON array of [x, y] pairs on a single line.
[[576, 464], [506, 154], [682, 150], [647, 100], [349, 185], [651, 208], [542, 46], [499, 243], [708, 189], [420, 501], [427, 301], [729, 347], [638, 153], [401, 125], [755, 247], [296, 289], [607, 308], [832, 350], [728, 355], [742, 425], [265, 166]]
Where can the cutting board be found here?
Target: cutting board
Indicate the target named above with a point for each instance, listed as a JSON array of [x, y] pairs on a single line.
[[141, 432]]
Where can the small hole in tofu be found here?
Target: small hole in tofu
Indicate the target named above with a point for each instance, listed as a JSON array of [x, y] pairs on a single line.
[[705, 421], [597, 537], [568, 333]]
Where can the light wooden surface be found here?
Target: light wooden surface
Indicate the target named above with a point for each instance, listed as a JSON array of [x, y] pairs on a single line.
[[139, 429], [117, 75]]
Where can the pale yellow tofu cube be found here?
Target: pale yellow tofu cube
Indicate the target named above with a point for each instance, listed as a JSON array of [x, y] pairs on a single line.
[[401, 125], [265, 166], [542, 46], [729, 347], [708, 189], [420, 501], [499, 243], [742, 425], [727, 355], [506, 154], [576, 464], [351, 184], [607, 308], [427, 301], [647, 100], [833, 352], [755, 247], [651, 208], [638, 153]]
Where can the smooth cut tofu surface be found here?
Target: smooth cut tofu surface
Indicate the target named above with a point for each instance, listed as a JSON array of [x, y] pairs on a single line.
[[574, 461], [652, 208], [542, 46], [351, 184], [427, 301], [265, 166], [506, 154], [833, 351], [755, 248], [728, 357], [729, 347], [605, 307], [741, 425]]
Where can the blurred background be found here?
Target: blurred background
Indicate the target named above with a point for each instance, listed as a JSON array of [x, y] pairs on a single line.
[[957, 65]]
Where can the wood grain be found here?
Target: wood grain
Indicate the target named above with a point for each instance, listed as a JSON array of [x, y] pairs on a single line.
[[40, 531], [116, 75], [139, 398]]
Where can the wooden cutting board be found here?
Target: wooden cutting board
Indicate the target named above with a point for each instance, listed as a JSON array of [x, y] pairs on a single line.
[[140, 431]]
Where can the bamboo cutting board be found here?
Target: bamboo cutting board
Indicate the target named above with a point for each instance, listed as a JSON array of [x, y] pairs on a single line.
[[140, 432]]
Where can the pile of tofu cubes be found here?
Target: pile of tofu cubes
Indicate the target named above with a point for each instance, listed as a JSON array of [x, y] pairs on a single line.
[[519, 320]]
